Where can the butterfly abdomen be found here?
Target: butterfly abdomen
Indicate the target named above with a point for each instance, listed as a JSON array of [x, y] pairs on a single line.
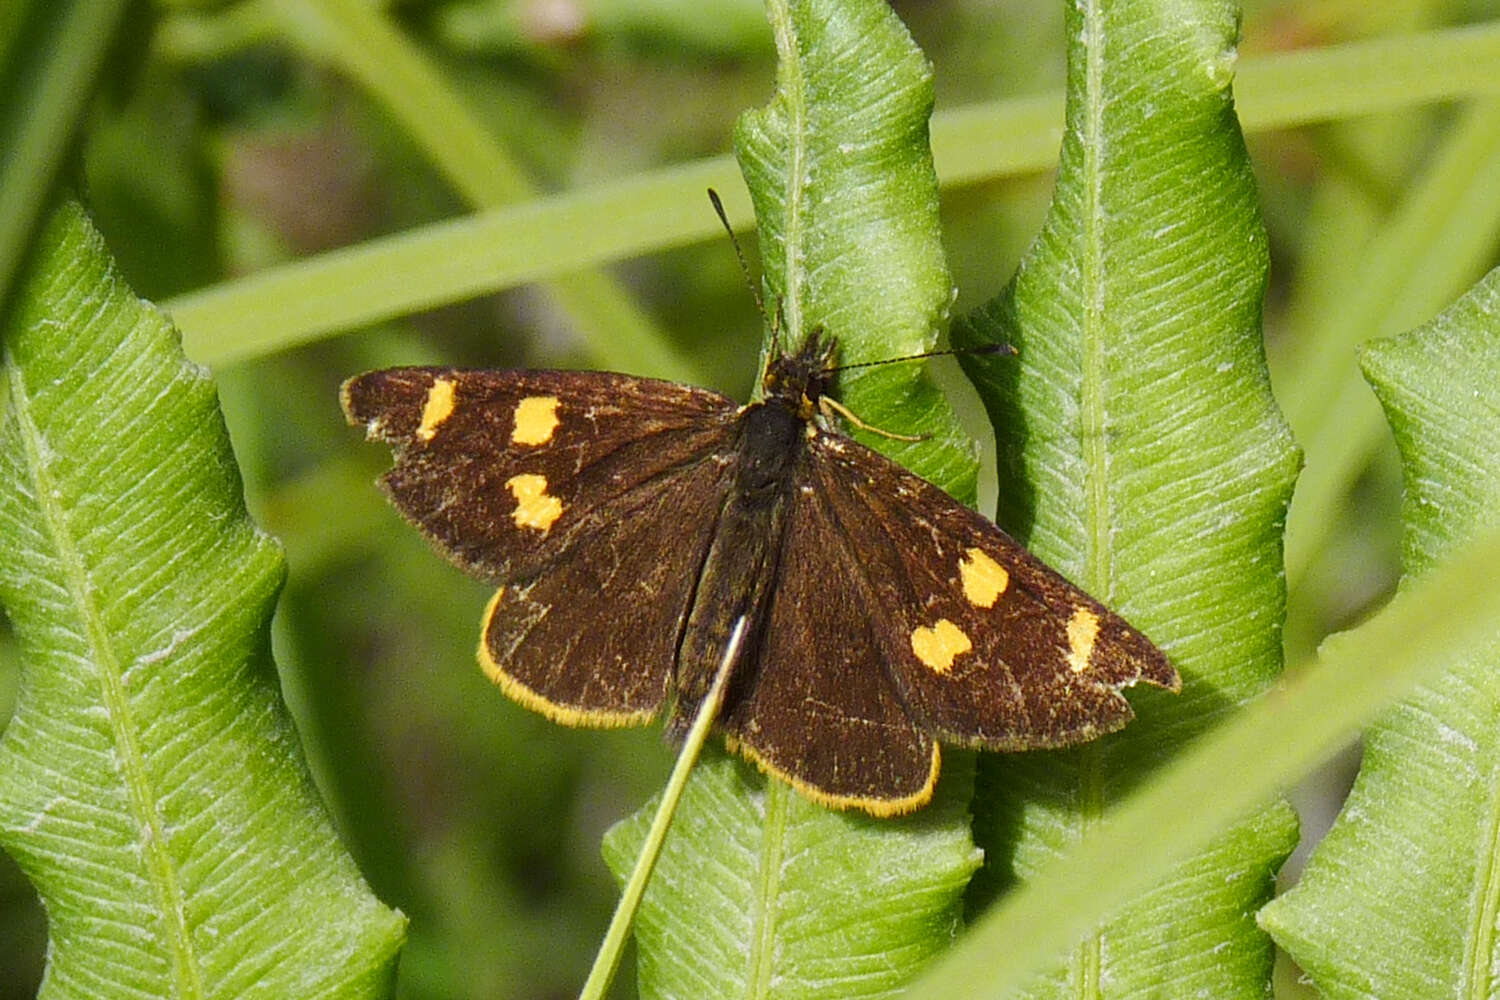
[[739, 571]]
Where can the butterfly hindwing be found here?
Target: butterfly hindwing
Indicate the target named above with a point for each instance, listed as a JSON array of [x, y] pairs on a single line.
[[815, 705], [592, 638], [557, 486], [629, 523], [988, 646]]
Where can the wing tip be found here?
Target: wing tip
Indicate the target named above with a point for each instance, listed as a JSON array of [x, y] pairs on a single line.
[[388, 402], [1155, 670], [1151, 665]]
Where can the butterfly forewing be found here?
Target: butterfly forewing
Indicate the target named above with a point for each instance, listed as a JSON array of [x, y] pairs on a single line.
[[592, 638], [988, 646], [502, 470]]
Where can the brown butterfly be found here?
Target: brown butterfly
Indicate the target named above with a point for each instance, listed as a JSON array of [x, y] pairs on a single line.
[[629, 522]]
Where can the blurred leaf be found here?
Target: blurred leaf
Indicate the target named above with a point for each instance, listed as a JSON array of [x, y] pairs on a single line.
[[151, 190], [687, 30], [657, 209], [151, 785], [1141, 454], [1447, 219], [51, 53], [1400, 897], [448, 261], [364, 42], [1353, 79], [758, 891]]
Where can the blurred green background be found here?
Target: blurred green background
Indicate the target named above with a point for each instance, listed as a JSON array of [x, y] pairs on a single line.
[[228, 138]]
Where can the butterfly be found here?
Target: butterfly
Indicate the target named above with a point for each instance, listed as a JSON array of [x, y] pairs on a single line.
[[629, 523]]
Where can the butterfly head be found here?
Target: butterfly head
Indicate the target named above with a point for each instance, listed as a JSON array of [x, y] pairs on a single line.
[[797, 381]]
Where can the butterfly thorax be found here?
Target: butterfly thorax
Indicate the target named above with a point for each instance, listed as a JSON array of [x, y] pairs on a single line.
[[797, 381]]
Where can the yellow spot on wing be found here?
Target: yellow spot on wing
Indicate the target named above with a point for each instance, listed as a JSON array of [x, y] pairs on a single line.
[[518, 692], [937, 647], [984, 579], [535, 507], [1083, 629], [439, 407], [536, 419]]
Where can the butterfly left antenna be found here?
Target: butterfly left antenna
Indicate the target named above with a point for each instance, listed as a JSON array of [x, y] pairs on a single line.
[[739, 254], [760, 303]]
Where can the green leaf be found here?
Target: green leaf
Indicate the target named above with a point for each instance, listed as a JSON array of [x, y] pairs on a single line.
[[51, 54], [1400, 898], [759, 892], [151, 784], [846, 200], [1141, 454]]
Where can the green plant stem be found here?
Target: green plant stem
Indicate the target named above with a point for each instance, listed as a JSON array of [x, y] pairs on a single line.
[[450, 261], [608, 958], [1360, 78]]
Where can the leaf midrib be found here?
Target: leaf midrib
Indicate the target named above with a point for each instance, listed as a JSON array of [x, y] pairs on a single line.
[[1092, 420], [790, 87], [1480, 940], [139, 789], [768, 885]]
